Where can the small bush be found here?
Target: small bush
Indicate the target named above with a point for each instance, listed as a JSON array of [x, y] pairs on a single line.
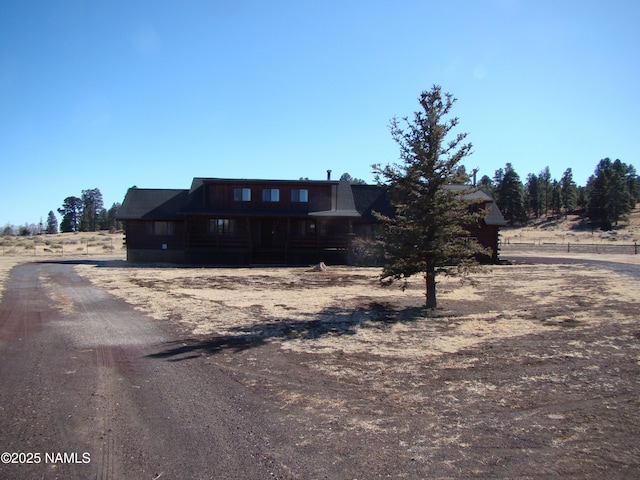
[[367, 252]]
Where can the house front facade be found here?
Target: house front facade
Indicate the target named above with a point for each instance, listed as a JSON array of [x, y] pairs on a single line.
[[242, 222]]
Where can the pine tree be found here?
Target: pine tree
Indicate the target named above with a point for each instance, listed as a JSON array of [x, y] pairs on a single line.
[[486, 184], [544, 190], [556, 197], [569, 192], [52, 223], [111, 223], [509, 194], [70, 211], [533, 195], [609, 199], [428, 228], [92, 206]]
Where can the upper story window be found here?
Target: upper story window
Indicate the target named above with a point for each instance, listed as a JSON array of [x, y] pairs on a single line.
[[242, 194], [271, 195], [300, 195]]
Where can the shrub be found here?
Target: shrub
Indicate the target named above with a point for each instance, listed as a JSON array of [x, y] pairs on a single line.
[[367, 252]]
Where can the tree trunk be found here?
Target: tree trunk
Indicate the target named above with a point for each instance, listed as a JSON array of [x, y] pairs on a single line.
[[430, 278]]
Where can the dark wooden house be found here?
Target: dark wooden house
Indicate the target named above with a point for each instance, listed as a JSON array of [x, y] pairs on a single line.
[[241, 222]]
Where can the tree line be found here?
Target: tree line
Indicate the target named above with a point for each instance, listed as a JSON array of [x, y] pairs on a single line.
[[79, 214], [610, 194], [87, 213]]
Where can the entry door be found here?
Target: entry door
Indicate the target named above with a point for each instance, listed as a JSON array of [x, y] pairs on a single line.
[[272, 233]]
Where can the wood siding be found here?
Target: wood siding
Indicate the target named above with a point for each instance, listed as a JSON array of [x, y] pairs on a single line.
[[220, 197]]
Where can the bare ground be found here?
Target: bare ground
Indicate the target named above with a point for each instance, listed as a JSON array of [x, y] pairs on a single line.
[[533, 373]]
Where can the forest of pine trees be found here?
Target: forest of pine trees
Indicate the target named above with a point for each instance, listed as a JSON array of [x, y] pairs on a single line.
[[608, 197], [87, 213]]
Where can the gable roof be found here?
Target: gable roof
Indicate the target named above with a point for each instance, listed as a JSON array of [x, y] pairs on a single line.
[[343, 204], [349, 201], [494, 216], [152, 204], [369, 199]]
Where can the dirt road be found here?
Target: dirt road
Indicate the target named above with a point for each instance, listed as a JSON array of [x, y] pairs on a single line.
[[80, 396]]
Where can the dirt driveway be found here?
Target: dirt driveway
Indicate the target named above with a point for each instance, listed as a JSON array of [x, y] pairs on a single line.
[[291, 374]]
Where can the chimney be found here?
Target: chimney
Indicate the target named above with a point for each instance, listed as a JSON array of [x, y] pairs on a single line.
[[328, 175]]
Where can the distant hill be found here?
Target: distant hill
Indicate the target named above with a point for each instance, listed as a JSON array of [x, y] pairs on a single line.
[[573, 229]]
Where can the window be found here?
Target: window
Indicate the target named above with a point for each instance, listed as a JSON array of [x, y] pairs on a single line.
[[222, 226], [306, 227], [162, 228], [271, 195], [242, 194], [300, 195]]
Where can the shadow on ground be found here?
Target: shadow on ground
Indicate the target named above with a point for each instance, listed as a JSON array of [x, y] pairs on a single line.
[[331, 322]]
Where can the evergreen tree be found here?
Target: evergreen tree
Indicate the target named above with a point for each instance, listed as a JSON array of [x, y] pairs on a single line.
[[70, 211], [52, 223], [556, 197], [569, 191], [486, 184], [112, 213], [532, 195], [345, 177], [509, 194], [92, 206], [581, 198], [460, 175], [544, 190], [428, 228], [609, 199], [633, 183]]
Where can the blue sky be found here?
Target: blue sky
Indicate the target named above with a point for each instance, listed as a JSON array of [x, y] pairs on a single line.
[[111, 94]]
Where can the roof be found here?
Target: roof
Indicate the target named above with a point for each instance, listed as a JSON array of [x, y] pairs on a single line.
[[472, 193], [369, 199], [152, 204], [199, 181], [349, 201], [494, 216], [343, 204]]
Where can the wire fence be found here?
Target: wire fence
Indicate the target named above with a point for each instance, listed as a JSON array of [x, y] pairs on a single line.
[[601, 248], [60, 249]]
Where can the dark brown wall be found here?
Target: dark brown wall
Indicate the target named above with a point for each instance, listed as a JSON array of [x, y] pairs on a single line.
[[220, 197], [139, 235]]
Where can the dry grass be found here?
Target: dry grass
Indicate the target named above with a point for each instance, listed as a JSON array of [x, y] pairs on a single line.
[[573, 230], [17, 249], [63, 244], [353, 313]]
